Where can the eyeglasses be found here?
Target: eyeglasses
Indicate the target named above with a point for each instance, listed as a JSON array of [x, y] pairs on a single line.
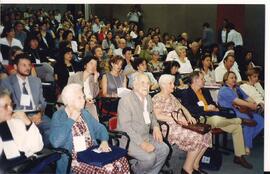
[[12, 105]]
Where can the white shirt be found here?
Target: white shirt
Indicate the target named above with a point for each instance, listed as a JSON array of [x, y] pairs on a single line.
[[86, 89], [221, 70], [27, 86], [255, 92], [118, 52], [14, 42], [28, 141], [172, 55], [235, 37], [74, 46], [133, 35], [223, 36], [160, 47]]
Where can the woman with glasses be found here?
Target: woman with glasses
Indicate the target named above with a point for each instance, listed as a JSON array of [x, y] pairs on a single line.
[[18, 134]]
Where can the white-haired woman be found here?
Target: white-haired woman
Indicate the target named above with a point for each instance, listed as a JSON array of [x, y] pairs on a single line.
[[74, 129], [195, 144]]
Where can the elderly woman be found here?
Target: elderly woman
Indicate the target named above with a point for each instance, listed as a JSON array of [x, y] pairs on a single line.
[[232, 96], [89, 80], [253, 87], [25, 136], [74, 129], [195, 144], [115, 79]]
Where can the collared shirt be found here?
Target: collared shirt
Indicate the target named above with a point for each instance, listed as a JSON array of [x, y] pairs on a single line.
[[236, 37], [27, 86]]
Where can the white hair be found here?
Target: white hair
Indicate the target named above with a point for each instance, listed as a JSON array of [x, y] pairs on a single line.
[[137, 76], [165, 79], [69, 92]]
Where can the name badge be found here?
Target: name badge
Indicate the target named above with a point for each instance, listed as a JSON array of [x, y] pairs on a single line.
[[10, 149], [25, 100], [200, 103], [79, 143], [146, 117]]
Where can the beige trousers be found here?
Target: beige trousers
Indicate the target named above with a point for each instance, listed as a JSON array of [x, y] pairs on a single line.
[[232, 126]]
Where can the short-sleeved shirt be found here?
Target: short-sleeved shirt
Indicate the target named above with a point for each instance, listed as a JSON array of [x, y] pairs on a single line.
[[226, 96]]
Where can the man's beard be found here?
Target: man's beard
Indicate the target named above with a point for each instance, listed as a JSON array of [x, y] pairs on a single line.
[[24, 74]]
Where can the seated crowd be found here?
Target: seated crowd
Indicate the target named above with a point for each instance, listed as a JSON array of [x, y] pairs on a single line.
[[85, 60]]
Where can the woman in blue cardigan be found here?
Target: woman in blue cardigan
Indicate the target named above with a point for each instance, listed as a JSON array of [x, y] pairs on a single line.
[[74, 129]]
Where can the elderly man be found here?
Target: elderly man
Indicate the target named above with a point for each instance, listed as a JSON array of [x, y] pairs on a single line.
[[27, 93], [136, 117], [121, 45], [227, 65], [199, 102]]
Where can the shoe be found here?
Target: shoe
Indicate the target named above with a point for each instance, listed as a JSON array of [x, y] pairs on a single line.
[[242, 161], [248, 122], [199, 171], [183, 171]]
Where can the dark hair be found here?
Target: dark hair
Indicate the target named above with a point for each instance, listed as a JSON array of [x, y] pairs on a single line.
[[229, 44], [206, 24], [137, 61], [229, 55], [93, 51], [12, 52], [6, 30], [126, 49], [202, 59], [66, 33], [21, 56], [87, 59], [115, 59], [168, 65]]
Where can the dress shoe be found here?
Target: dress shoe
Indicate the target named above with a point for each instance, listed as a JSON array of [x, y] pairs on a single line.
[[199, 171], [248, 122], [242, 161], [183, 171]]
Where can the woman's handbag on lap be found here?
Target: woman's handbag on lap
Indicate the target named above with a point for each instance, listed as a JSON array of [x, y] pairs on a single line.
[[201, 128]]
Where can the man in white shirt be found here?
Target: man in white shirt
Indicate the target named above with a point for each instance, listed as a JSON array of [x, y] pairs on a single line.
[[226, 66], [159, 46]]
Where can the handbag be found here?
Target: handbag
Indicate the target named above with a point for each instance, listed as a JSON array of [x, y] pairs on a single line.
[[211, 159], [244, 110], [201, 128]]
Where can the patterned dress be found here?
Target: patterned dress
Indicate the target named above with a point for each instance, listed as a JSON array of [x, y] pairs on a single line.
[[185, 139], [119, 166]]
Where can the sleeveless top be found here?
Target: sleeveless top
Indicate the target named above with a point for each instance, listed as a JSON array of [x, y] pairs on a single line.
[[114, 82]]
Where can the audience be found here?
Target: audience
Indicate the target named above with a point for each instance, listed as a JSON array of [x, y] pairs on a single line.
[[231, 96], [195, 144], [136, 117], [84, 50]]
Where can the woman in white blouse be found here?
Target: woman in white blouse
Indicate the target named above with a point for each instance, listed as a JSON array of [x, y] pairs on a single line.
[[25, 136], [253, 87], [206, 67]]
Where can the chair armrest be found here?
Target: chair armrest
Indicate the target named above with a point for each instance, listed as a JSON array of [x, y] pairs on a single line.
[[116, 135]]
